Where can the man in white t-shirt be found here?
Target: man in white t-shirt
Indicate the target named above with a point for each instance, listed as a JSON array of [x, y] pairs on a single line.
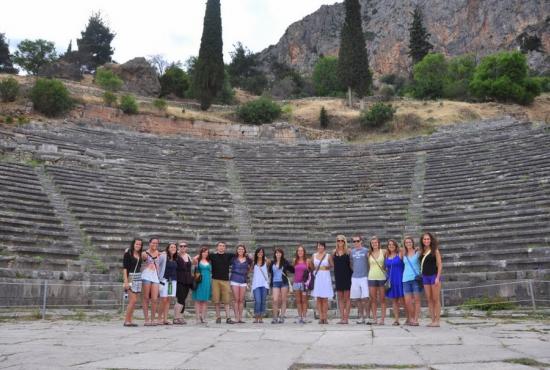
[[359, 284]]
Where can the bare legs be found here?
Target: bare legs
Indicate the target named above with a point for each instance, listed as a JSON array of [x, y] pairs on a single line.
[[301, 303], [377, 296], [396, 302], [132, 299], [150, 294], [434, 303], [322, 306], [412, 305], [345, 305], [238, 304]]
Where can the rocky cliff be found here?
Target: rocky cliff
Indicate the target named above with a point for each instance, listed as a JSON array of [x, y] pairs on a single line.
[[456, 27]]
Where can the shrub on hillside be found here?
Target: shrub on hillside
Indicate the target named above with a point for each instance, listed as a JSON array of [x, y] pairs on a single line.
[[9, 88], [377, 115], [109, 98], [174, 81], [262, 110], [544, 83], [387, 93], [160, 104], [398, 82], [429, 77], [128, 104], [107, 80], [50, 97], [460, 71], [504, 77]]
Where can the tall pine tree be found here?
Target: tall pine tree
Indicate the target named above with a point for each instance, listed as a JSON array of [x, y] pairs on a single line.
[[353, 59], [95, 45], [6, 65], [208, 73], [419, 46]]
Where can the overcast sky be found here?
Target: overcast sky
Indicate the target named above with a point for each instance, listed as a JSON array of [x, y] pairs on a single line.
[[171, 28]]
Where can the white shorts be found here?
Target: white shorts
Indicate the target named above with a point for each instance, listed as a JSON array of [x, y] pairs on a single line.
[[233, 283], [359, 288], [164, 289]]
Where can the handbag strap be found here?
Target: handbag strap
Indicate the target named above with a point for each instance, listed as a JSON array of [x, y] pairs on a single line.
[[423, 259], [263, 274], [319, 265], [381, 268], [154, 263], [410, 264], [137, 263]]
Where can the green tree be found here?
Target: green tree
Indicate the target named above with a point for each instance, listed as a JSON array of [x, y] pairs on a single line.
[[353, 60], [209, 69], [429, 76], [6, 64], [419, 46], [504, 77], [323, 118], [174, 81], [95, 44], [325, 77], [243, 70], [31, 55], [459, 74]]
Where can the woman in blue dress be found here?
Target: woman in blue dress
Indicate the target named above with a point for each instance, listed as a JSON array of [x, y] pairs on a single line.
[[394, 267], [203, 292]]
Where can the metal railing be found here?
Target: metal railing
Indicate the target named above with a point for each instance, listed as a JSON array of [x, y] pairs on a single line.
[[46, 294]]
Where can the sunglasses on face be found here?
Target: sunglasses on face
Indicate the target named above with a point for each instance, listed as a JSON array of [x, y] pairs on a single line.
[[357, 241]]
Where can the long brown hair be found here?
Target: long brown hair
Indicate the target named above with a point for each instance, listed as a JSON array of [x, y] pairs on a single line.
[[296, 255], [282, 263], [405, 246], [203, 249], [434, 245], [396, 247], [371, 249]]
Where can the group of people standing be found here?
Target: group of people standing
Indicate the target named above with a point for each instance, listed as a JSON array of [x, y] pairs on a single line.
[[364, 276]]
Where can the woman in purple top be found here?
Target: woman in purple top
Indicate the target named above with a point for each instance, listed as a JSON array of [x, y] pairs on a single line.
[[394, 267], [301, 274], [240, 266]]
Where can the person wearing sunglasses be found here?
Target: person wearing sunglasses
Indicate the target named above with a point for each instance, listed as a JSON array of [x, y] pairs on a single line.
[[359, 284]]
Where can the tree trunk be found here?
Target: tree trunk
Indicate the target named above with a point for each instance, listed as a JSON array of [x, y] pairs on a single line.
[[349, 96]]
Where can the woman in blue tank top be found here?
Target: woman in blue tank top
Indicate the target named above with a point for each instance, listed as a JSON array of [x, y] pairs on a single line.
[[412, 285]]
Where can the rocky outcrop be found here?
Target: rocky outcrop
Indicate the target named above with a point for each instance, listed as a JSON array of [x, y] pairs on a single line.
[[62, 69], [457, 27], [138, 75]]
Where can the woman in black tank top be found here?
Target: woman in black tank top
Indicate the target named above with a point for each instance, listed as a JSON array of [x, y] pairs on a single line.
[[431, 268]]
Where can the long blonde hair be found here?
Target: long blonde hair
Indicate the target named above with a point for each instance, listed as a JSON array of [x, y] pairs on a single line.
[[341, 237]]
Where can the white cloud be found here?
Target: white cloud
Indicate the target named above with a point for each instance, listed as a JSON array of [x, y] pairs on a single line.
[[167, 27]]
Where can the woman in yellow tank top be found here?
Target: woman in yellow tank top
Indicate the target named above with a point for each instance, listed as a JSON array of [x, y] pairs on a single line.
[[377, 278]]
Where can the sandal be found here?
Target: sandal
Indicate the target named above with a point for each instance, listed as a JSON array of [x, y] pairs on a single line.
[[166, 323], [218, 320], [395, 323], [178, 322], [148, 323], [229, 321], [130, 324]]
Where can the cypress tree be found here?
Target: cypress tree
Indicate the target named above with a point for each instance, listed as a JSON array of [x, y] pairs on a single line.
[[353, 60], [6, 65], [208, 75], [323, 118], [419, 46], [95, 44]]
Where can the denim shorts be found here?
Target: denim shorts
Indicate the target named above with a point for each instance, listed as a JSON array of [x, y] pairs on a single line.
[[279, 284], [145, 281], [299, 287], [430, 279], [412, 287], [376, 283]]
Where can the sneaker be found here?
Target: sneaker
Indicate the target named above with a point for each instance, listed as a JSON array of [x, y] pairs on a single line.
[[281, 320], [301, 321], [218, 320], [362, 321], [274, 321]]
